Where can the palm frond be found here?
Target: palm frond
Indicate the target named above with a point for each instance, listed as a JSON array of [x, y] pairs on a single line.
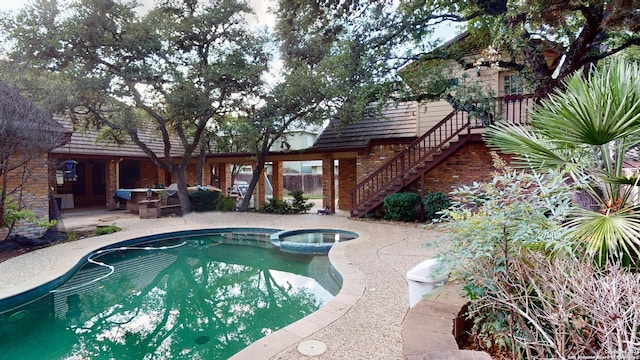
[[528, 148], [609, 234]]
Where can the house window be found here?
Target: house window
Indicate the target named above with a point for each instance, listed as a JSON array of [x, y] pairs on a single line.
[[513, 85]]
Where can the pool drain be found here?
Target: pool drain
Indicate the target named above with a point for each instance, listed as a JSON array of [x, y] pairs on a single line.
[[312, 348]]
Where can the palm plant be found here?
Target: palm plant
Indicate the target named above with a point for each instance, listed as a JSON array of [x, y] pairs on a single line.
[[588, 131]]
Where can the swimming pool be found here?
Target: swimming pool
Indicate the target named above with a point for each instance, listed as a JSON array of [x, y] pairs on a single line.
[[192, 295]]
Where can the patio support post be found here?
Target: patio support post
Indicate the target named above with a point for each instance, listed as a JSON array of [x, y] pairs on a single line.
[[112, 182], [207, 175], [224, 176], [347, 179], [328, 183], [277, 179]]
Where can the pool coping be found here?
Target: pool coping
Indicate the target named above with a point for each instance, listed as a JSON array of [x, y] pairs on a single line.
[[353, 287]]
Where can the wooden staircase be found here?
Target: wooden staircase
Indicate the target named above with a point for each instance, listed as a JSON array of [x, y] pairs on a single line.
[[447, 136], [407, 166]]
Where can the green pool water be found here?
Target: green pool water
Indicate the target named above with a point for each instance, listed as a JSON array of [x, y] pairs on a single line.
[[202, 297]]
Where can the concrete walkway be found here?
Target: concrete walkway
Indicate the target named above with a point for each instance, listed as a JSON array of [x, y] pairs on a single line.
[[366, 320]]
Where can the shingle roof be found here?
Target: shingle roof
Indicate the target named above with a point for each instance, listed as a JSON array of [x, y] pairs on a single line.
[[83, 142], [16, 109], [395, 122]]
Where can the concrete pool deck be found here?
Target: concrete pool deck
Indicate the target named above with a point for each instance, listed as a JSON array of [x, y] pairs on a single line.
[[366, 320]]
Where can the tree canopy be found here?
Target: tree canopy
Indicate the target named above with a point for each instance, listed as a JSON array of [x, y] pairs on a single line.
[[170, 71], [544, 40]]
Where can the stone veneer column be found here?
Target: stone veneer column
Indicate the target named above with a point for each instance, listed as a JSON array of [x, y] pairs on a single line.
[[277, 180], [328, 183]]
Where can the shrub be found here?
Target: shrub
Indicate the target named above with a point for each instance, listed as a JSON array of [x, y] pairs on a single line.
[[225, 203], [203, 200], [494, 228], [277, 206], [13, 214], [298, 205], [72, 236], [561, 308], [103, 230], [434, 203], [401, 206]]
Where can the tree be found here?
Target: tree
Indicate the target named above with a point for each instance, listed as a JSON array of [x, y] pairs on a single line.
[[546, 41], [235, 134], [170, 72], [302, 98], [588, 131], [27, 134]]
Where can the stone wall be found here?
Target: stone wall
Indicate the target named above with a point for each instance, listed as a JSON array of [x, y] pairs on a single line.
[[31, 185]]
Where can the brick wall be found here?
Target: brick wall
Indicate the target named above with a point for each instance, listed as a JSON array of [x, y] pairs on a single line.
[[148, 174], [379, 155], [347, 179], [33, 194], [471, 163]]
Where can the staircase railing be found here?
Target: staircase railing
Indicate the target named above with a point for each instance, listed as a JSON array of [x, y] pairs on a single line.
[[419, 151], [392, 175]]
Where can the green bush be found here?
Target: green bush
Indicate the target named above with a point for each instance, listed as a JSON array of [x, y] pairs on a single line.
[[225, 203], [203, 200], [401, 206], [434, 203], [277, 206], [298, 205], [496, 228]]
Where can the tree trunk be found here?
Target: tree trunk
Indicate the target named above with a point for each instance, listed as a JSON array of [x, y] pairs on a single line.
[[183, 192], [3, 199], [201, 162], [255, 177]]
